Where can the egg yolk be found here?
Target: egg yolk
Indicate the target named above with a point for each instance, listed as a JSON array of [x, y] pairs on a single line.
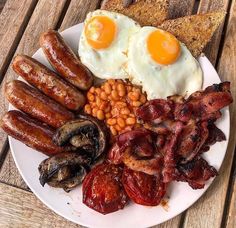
[[100, 31], [163, 47]]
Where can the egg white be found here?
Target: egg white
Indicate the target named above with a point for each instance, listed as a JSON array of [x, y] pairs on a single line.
[[110, 62], [183, 77]]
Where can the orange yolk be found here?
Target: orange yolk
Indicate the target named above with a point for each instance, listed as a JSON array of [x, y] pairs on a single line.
[[163, 47], [100, 31]]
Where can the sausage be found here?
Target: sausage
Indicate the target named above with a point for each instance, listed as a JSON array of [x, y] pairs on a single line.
[[64, 61], [36, 104], [48, 82], [31, 132]]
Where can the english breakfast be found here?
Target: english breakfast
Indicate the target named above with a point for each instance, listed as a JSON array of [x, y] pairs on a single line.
[[128, 115]]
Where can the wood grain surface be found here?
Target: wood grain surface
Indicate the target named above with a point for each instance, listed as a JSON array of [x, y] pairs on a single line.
[[231, 219], [77, 12], [25, 210], [9, 173], [13, 20], [217, 208]]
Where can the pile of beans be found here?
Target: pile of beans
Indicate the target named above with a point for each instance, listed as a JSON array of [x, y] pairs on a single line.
[[115, 102]]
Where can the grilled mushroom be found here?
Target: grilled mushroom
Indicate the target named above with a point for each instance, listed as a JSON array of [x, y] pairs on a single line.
[[86, 133], [64, 170]]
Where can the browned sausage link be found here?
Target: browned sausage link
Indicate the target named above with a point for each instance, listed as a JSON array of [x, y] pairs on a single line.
[[31, 132], [36, 104], [64, 61], [48, 82]]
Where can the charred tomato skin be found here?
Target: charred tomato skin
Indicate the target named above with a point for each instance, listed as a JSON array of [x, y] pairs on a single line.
[[142, 188], [103, 190]]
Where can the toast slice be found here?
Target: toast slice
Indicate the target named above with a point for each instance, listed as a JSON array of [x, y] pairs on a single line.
[[194, 31], [145, 12]]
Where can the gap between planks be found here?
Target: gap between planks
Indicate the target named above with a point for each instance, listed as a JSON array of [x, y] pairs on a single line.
[[229, 214], [2, 3], [13, 21], [74, 16], [213, 49], [224, 29]]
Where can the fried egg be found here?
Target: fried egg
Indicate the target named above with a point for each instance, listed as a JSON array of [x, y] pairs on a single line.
[[104, 42], [161, 64]]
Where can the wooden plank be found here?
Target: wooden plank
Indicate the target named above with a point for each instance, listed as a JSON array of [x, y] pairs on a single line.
[[13, 19], [77, 12], [231, 219], [180, 8], [172, 223], [23, 209], [208, 211], [212, 48], [231, 37], [45, 15], [9, 173]]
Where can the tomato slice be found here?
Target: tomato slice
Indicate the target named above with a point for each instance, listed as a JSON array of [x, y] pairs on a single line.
[[142, 188], [103, 190]]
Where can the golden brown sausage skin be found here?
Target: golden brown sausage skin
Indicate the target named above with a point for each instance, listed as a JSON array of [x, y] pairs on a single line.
[[64, 61], [36, 104], [48, 82], [31, 132]]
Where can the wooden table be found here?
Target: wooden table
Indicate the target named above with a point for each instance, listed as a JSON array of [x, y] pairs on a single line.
[[21, 23]]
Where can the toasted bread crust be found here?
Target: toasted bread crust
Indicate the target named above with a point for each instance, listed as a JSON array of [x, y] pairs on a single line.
[[145, 12], [194, 31]]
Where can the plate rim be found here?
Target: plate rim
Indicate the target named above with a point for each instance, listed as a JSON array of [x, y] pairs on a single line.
[[86, 224]]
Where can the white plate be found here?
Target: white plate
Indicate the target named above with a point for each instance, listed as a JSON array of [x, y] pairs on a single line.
[[70, 206]]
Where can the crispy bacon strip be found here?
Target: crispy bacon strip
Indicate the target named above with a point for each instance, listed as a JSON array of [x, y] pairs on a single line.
[[155, 109], [193, 138], [151, 166], [170, 154], [129, 138], [201, 105], [137, 150], [215, 135], [206, 104], [197, 115], [195, 172]]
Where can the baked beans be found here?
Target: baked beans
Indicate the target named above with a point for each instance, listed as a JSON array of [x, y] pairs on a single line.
[[115, 102]]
